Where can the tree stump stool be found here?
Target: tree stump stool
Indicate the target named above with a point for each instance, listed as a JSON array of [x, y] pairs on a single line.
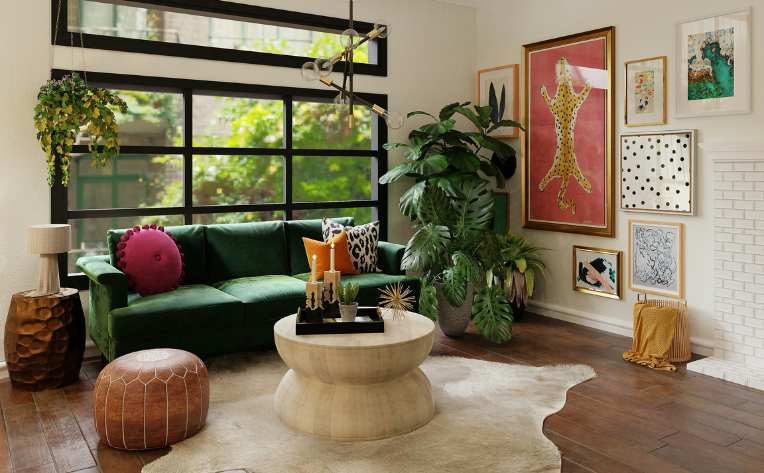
[[151, 399], [44, 339]]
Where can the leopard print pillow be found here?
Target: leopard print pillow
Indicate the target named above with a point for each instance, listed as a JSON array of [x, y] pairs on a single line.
[[362, 242]]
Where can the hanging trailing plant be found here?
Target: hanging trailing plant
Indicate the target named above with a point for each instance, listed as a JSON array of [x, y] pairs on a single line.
[[64, 108]]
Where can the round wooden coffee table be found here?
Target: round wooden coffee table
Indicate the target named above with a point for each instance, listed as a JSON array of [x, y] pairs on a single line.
[[356, 386]]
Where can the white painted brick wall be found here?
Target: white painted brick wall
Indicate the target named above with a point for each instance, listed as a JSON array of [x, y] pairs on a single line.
[[739, 262]]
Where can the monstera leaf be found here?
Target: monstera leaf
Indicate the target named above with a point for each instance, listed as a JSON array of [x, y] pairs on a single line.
[[426, 248], [492, 314]]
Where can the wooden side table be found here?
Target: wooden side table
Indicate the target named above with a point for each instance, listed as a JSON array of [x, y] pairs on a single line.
[[44, 339]]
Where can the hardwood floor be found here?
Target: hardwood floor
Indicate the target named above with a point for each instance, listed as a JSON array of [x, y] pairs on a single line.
[[628, 419]]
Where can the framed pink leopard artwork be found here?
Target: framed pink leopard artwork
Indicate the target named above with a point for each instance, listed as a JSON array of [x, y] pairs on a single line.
[[569, 145]]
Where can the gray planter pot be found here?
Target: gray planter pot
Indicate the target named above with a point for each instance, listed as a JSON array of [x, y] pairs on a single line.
[[453, 320], [348, 312]]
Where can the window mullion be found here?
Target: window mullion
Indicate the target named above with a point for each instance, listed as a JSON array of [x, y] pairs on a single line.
[[188, 163], [288, 154]]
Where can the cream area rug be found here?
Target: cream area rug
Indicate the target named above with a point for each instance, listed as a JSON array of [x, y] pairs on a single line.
[[488, 419]]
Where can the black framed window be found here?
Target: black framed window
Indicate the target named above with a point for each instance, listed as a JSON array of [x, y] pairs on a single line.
[[211, 29], [217, 152]]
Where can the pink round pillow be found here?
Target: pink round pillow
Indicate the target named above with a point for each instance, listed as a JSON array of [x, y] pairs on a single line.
[[151, 260]]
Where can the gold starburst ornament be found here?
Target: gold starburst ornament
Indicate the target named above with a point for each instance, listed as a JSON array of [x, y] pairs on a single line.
[[398, 298]]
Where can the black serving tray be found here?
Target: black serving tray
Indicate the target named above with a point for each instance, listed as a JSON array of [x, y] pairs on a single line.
[[367, 320]]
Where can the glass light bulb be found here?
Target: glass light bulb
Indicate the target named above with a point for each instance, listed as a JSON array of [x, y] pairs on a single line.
[[310, 71], [342, 99], [394, 119], [382, 24], [349, 37], [324, 66]]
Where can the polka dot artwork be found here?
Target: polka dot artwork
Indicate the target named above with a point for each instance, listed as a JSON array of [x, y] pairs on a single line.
[[657, 172]]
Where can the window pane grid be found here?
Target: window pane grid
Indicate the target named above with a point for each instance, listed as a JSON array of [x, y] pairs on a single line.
[[209, 184]]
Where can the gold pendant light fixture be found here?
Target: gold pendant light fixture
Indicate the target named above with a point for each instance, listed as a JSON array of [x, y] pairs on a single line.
[[322, 68]]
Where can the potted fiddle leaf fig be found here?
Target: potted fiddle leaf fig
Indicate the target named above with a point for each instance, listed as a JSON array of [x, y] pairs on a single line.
[[451, 206], [67, 107]]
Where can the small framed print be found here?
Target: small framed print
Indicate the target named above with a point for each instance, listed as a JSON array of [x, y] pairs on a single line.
[[656, 258], [499, 87], [713, 60], [645, 103], [597, 271], [657, 172]]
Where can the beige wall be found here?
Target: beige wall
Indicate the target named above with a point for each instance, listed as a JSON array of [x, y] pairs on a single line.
[[431, 62], [643, 29]]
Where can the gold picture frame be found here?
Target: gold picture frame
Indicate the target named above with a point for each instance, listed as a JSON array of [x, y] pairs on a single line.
[[659, 258], [616, 258], [514, 71], [606, 206], [662, 60]]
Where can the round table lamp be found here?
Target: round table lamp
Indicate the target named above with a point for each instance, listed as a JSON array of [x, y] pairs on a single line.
[[48, 241]]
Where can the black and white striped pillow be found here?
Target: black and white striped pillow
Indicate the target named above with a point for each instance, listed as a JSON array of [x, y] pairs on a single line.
[[363, 241]]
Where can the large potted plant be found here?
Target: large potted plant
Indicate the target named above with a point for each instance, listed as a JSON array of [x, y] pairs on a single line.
[[451, 205], [68, 106]]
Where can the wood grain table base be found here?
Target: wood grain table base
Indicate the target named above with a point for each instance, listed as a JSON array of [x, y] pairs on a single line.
[[360, 386], [378, 410]]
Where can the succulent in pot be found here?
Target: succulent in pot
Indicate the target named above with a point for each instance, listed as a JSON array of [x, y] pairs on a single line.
[[348, 293]]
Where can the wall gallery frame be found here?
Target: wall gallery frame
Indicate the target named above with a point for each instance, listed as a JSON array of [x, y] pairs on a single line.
[[656, 258], [597, 271], [714, 65], [658, 172], [569, 146], [646, 101], [500, 88]]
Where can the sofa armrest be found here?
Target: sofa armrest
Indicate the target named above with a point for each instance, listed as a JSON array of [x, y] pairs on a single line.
[[390, 257], [100, 271]]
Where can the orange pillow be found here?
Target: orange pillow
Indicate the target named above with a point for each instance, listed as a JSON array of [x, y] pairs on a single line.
[[322, 250]]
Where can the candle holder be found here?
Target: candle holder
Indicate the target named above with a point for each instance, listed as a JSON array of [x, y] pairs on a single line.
[[332, 281], [313, 308]]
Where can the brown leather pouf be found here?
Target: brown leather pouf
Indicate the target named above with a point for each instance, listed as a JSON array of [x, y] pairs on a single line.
[[151, 399]]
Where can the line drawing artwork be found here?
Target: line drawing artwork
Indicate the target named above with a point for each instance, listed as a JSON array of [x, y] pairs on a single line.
[[655, 257], [564, 106]]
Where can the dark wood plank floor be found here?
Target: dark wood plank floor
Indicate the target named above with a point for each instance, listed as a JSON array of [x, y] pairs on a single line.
[[629, 419]]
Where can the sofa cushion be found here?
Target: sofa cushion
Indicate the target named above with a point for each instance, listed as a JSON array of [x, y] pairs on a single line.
[[295, 231], [190, 239], [266, 299], [371, 283], [246, 249], [190, 316]]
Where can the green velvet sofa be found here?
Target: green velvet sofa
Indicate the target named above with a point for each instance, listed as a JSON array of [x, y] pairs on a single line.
[[240, 279]]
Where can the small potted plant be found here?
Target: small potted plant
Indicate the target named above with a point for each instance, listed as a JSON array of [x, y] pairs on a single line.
[[348, 304]]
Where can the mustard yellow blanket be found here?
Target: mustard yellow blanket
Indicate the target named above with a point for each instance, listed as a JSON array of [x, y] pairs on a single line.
[[653, 334]]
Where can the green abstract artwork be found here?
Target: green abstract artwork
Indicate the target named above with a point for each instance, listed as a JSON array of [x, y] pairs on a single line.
[[710, 64]]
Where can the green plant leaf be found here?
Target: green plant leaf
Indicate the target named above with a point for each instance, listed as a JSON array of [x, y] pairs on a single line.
[[463, 159], [449, 110], [492, 314], [467, 266], [435, 207], [521, 264], [409, 202], [530, 281], [426, 248], [438, 128], [395, 173], [419, 112], [454, 286], [505, 124], [474, 210], [428, 300], [432, 164]]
